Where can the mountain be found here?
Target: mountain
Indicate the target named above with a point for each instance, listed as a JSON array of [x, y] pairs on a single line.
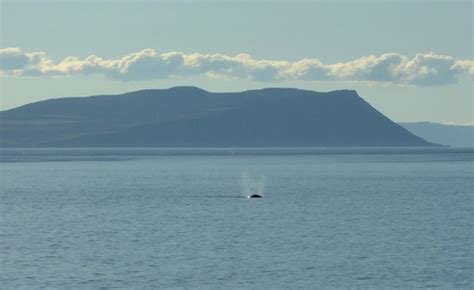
[[192, 117], [452, 135]]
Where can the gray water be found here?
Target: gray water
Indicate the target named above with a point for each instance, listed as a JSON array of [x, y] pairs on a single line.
[[148, 218]]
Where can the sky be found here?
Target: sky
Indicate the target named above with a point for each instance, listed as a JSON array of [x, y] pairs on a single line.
[[412, 60]]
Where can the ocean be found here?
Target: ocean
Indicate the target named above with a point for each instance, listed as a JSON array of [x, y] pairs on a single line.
[[180, 218]]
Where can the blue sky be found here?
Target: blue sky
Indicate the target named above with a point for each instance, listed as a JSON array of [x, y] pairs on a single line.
[[412, 60]]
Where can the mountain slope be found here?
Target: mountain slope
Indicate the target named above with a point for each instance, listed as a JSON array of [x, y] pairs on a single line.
[[452, 135], [191, 117]]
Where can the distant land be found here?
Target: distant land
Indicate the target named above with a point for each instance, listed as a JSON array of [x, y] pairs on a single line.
[[451, 135], [192, 117]]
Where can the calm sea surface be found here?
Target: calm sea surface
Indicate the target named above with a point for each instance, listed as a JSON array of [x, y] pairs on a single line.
[[149, 218]]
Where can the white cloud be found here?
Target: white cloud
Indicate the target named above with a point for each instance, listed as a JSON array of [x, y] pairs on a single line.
[[424, 69], [431, 69], [13, 60], [465, 65]]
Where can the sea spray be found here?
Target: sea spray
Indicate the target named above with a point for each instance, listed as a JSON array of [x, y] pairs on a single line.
[[252, 184]]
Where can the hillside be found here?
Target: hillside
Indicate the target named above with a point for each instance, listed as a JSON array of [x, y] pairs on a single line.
[[192, 117], [451, 135]]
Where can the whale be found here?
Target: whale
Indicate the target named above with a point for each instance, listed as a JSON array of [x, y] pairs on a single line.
[[254, 196]]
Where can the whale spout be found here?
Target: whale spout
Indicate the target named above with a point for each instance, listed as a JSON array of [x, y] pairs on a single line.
[[255, 196]]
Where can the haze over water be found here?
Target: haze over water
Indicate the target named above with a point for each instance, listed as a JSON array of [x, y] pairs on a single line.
[[149, 218]]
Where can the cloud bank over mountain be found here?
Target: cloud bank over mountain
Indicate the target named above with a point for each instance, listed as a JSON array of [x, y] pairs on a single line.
[[424, 69]]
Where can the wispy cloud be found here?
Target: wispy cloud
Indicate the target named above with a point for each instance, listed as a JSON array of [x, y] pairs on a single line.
[[424, 69]]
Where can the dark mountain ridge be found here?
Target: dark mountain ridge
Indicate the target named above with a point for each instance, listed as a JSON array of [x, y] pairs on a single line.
[[192, 117]]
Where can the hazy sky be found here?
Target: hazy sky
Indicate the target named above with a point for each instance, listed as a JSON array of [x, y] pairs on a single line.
[[412, 60]]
